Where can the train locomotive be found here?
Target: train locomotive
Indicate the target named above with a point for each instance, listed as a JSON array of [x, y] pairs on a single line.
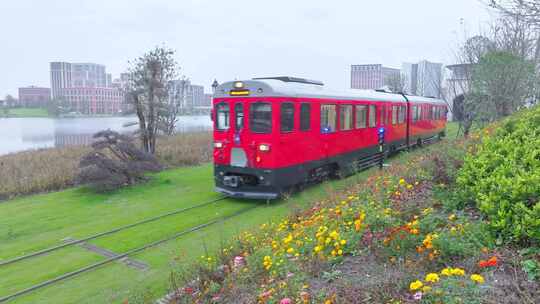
[[272, 134]]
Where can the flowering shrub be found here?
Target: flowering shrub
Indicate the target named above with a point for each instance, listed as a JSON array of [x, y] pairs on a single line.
[[450, 285], [395, 221], [503, 177]]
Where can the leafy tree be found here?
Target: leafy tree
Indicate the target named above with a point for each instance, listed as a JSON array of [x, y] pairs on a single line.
[[503, 82], [147, 90], [115, 162]]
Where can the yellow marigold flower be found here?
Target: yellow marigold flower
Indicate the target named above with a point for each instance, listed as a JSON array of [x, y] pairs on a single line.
[[317, 248], [414, 231], [409, 187], [416, 285], [452, 217], [477, 278], [432, 277], [343, 242], [340, 252], [457, 271], [447, 271], [402, 181], [290, 250], [334, 234]]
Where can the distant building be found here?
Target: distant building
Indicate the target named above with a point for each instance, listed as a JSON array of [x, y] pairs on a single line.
[[33, 96], [208, 100], [372, 76], [198, 95], [85, 88], [92, 101], [186, 95], [423, 78]]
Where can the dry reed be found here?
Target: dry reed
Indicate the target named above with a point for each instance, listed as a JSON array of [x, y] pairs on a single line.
[[52, 169]]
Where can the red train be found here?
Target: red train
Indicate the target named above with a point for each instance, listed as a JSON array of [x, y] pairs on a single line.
[[271, 134]]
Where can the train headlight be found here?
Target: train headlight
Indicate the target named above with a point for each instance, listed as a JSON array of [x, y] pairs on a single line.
[[264, 148], [238, 85], [218, 145]]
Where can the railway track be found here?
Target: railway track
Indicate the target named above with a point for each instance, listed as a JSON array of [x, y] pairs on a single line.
[[121, 256], [106, 233]]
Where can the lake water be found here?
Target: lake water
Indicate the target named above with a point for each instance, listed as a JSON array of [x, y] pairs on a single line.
[[19, 134]]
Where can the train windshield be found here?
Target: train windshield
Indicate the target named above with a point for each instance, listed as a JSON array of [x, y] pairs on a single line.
[[260, 117], [222, 116]]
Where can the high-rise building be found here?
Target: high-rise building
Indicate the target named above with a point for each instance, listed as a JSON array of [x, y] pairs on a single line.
[[372, 76], [423, 78], [85, 88], [60, 77], [88, 75], [33, 96]]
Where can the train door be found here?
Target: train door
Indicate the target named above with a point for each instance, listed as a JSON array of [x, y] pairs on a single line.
[[288, 145], [328, 129], [222, 133], [240, 157]]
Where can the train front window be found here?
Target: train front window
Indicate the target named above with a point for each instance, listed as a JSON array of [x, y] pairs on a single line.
[[260, 117], [328, 118], [222, 116], [287, 117], [239, 116]]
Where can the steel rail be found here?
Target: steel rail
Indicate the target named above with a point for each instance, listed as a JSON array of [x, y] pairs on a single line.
[[120, 256], [75, 242]]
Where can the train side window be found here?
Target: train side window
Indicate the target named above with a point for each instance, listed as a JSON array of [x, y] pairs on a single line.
[[222, 116], [401, 114], [419, 115], [361, 116], [239, 116], [414, 114], [345, 117], [287, 117], [305, 117], [383, 115], [394, 115], [372, 116], [260, 117], [328, 118]]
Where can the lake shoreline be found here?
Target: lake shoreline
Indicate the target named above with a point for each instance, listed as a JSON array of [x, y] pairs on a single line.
[[22, 134]]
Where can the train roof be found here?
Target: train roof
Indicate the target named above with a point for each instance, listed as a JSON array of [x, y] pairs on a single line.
[[285, 86]]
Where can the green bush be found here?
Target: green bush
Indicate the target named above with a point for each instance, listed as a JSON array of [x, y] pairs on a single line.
[[503, 177]]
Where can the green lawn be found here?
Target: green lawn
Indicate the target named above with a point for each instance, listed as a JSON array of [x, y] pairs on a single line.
[[36, 222], [28, 112]]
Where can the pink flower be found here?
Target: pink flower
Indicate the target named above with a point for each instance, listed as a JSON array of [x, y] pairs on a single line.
[[239, 261], [290, 274], [285, 301], [418, 296]]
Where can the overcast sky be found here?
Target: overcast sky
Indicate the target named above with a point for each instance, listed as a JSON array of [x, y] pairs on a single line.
[[230, 39]]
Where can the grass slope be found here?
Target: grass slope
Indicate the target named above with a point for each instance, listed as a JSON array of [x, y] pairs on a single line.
[[28, 112], [36, 222]]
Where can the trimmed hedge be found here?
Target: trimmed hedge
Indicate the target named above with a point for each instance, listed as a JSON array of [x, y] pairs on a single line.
[[503, 177]]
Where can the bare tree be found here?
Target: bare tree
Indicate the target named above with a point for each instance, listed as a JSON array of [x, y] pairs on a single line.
[[150, 75], [527, 9], [176, 90]]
